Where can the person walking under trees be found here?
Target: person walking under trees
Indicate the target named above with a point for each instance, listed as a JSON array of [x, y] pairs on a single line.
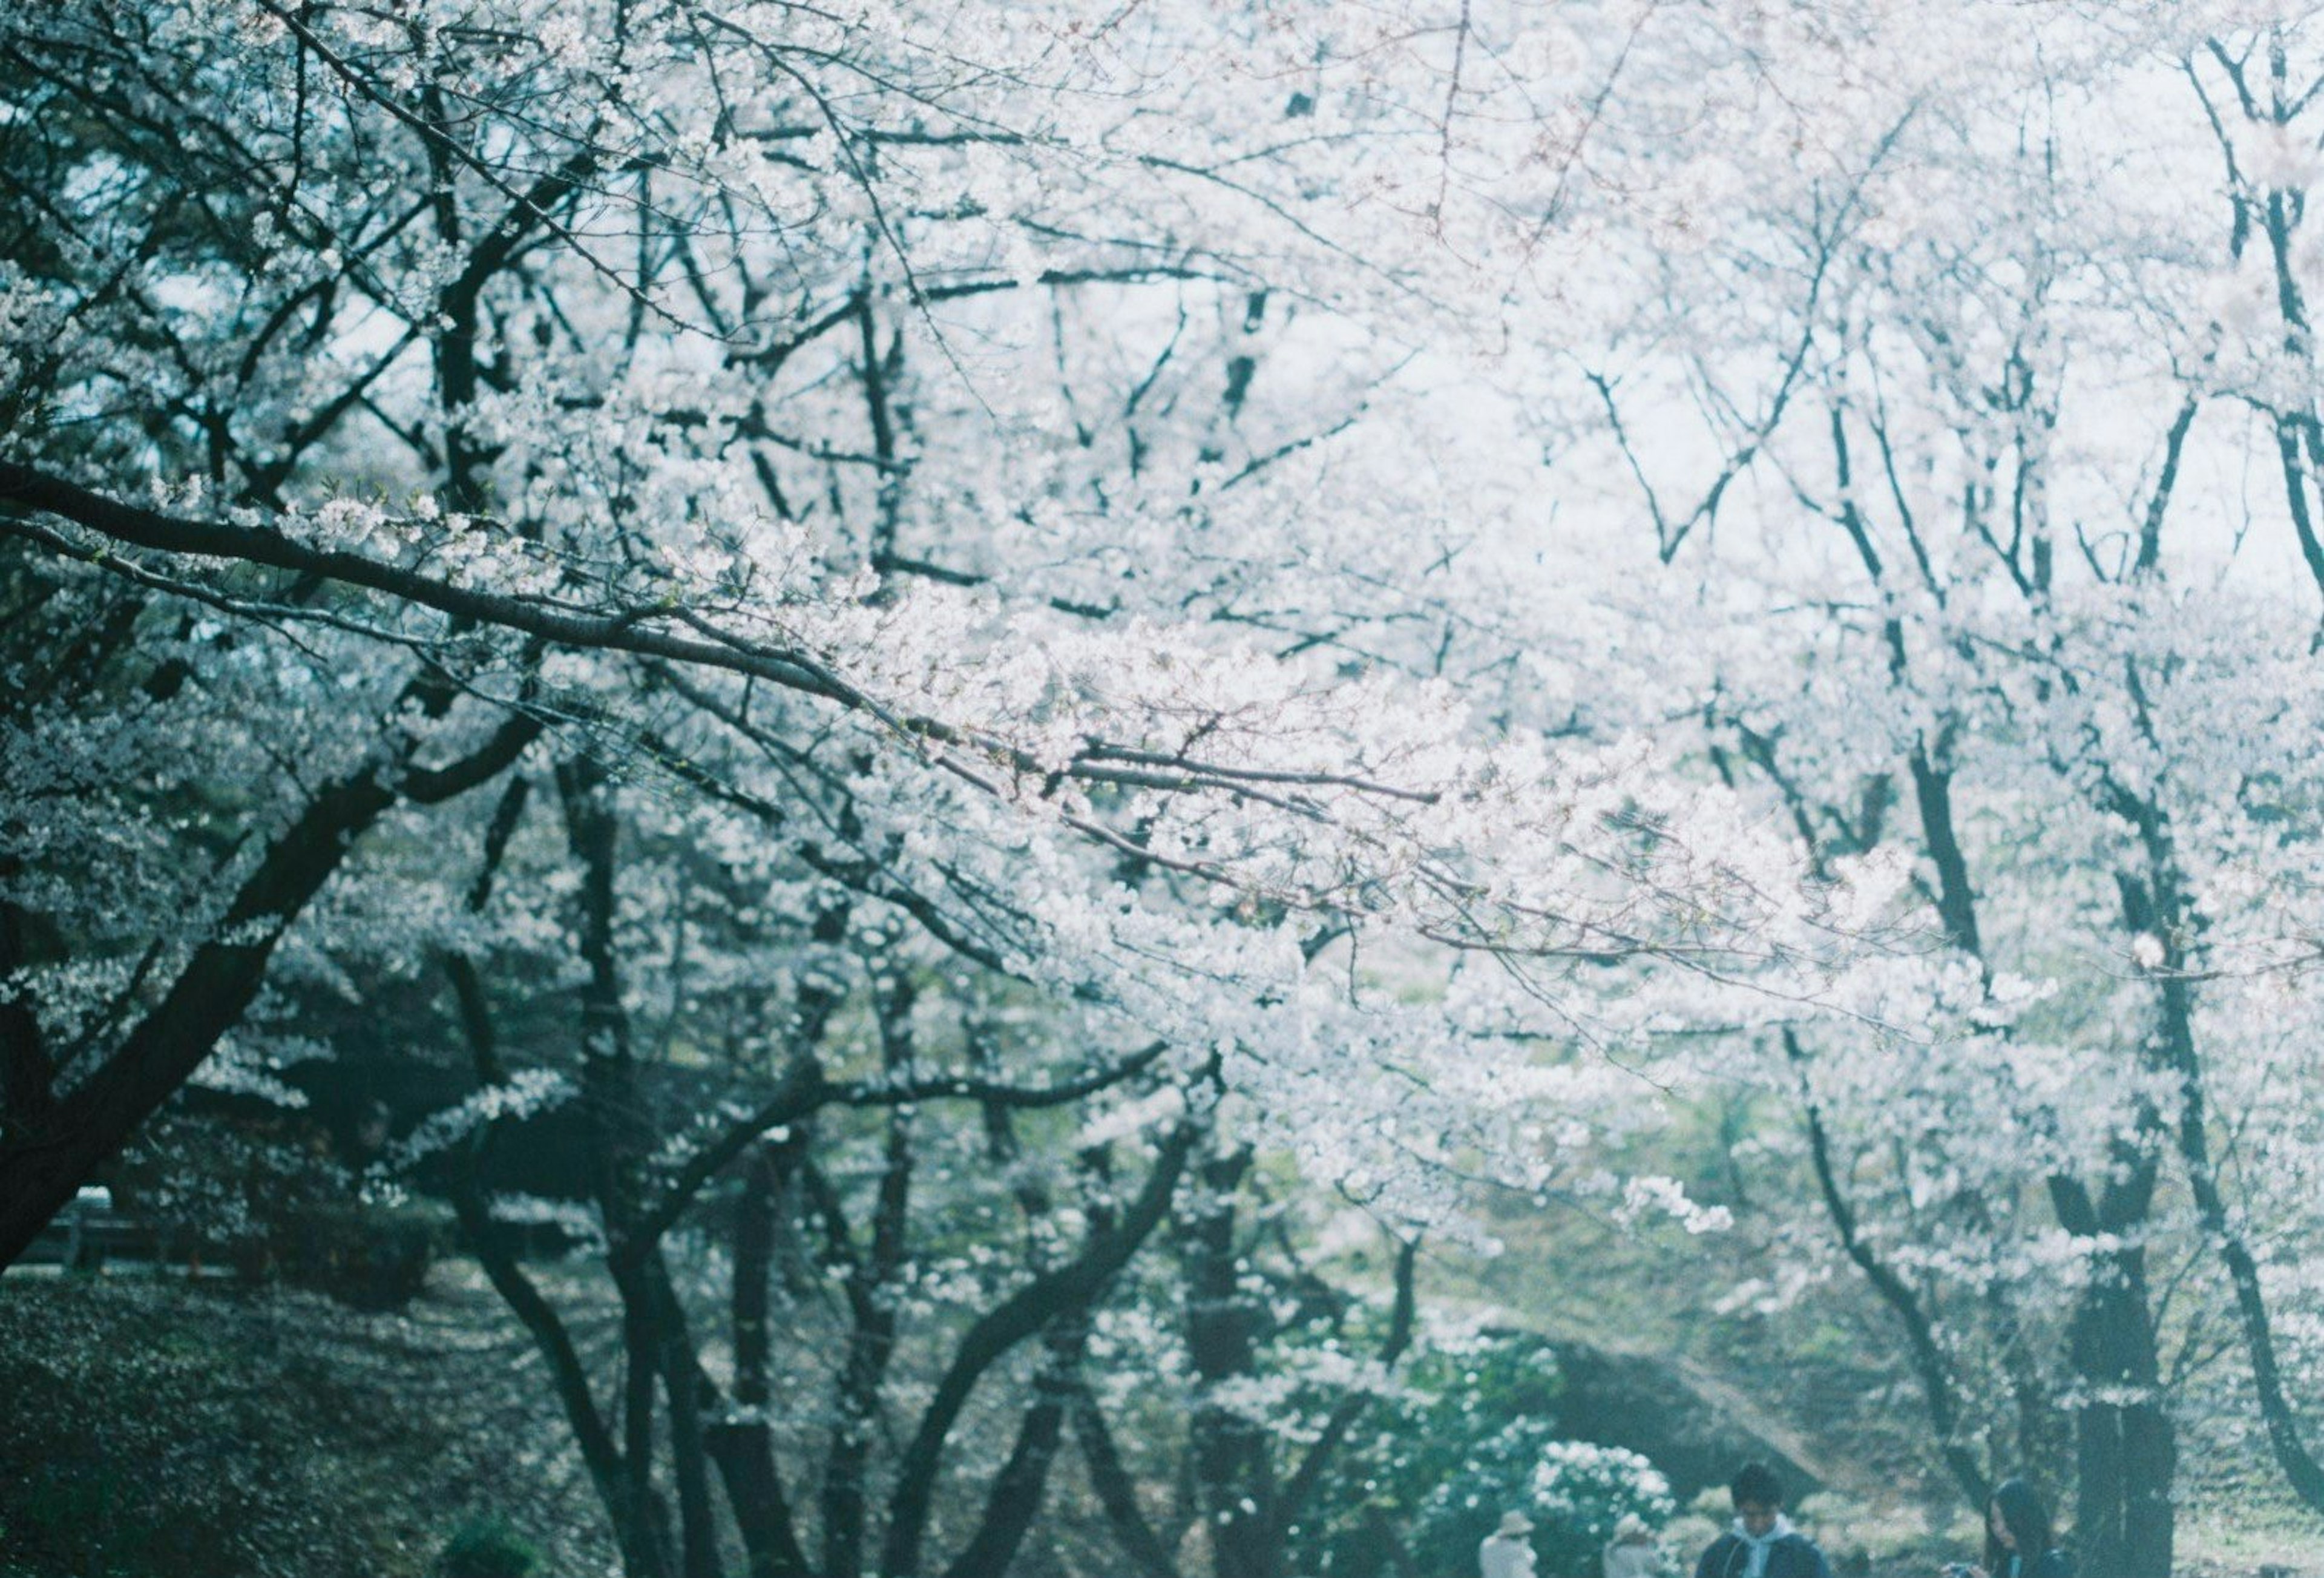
[[1633, 1552], [1763, 1544], [1506, 1553], [2018, 1540]]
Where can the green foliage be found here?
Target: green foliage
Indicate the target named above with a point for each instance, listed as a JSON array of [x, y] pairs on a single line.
[[223, 1186], [369, 1257], [261, 1192], [1454, 1397], [1575, 1492], [487, 1547], [1476, 1434]]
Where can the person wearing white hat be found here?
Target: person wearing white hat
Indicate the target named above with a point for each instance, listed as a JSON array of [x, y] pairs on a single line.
[[1506, 1553], [1632, 1553]]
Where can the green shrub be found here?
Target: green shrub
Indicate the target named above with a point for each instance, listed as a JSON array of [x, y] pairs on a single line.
[[367, 1257], [1472, 1434], [1575, 1492], [487, 1547]]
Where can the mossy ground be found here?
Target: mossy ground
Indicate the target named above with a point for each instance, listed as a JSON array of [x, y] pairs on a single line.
[[154, 1424]]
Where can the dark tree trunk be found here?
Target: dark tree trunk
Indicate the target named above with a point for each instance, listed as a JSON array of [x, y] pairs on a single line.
[[609, 1473], [47, 1158], [2126, 1450], [1299, 1489], [2126, 1447], [743, 1445], [1050, 1300], [875, 1278], [1015, 1498], [1233, 1475], [639, 1543], [613, 1108], [1395, 1554], [1928, 1362], [44, 1163], [27, 1078], [683, 1389], [2157, 906], [1117, 1490]]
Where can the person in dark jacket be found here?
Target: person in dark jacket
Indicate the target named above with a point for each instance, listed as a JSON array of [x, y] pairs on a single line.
[[1763, 1544], [2019, 1541]]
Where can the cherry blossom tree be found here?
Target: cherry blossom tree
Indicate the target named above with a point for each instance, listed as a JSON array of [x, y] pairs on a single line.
[[772, 552], [549, 379], [1263, 582], [1948, 437]]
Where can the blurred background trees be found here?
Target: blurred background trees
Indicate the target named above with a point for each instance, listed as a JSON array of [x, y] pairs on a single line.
[[976, 740]]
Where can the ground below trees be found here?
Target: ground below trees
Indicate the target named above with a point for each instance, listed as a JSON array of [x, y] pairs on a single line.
[[156, 1424]]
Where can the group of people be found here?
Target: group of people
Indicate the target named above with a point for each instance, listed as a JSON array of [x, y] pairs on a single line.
[[2019, 1540]]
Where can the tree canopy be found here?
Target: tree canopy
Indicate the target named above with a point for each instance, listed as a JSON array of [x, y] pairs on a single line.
[[919, 616]]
